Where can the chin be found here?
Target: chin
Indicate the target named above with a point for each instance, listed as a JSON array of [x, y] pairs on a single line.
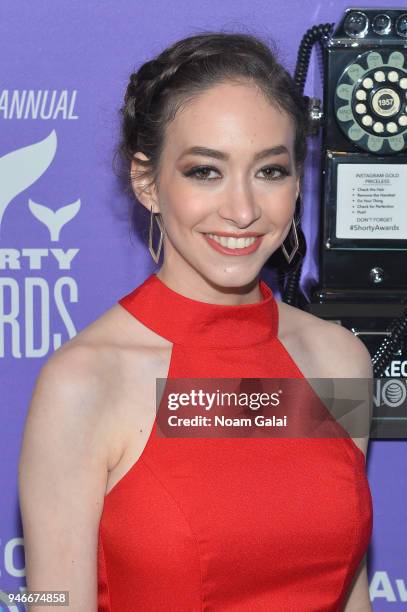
[[232, 278]]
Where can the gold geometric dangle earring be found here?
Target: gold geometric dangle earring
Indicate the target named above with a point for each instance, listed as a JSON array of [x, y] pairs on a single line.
[[290, 256], [155, 254]]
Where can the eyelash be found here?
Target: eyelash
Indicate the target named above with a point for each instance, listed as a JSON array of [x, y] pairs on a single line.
[[193, 172]]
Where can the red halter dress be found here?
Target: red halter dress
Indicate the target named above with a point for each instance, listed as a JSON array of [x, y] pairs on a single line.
[[231, 524]]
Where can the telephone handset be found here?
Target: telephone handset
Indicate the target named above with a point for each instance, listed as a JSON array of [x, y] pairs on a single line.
[[363, 222]]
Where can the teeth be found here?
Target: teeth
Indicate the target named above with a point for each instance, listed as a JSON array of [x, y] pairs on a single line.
[[233, 243]]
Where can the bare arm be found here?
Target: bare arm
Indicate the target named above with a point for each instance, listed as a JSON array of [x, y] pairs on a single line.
[[62, 478], [354, 362], [358, 598], [345, 356]]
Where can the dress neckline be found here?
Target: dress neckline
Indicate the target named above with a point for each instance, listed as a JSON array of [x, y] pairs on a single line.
[[183, 320]]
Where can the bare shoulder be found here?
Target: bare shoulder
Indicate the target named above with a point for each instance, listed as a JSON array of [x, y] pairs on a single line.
[[324, 349], [101, 352], [73, 389], [87, 363], [102, 370], [333, 350]]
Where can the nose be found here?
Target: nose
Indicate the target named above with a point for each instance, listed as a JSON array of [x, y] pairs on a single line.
[[239, 205]]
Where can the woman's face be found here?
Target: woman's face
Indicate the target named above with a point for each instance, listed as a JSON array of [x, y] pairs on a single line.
[[245, 182]]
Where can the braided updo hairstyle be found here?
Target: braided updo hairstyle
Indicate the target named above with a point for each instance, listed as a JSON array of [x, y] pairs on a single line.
[[158, 89]]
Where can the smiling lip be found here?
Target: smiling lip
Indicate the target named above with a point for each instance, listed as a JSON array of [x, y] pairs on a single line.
[[244, 251], [234, 235]]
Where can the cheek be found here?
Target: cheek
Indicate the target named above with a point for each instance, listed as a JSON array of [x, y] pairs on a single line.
[[185, 210], [183, 204], [281, 203]]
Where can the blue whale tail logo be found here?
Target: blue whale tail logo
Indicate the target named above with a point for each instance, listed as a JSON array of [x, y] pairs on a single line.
[[22, 167], [54, 219]]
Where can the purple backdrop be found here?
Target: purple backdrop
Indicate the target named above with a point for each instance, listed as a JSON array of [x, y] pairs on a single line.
[[64, 68]]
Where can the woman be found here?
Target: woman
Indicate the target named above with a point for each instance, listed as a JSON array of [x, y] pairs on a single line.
[[125, 519]]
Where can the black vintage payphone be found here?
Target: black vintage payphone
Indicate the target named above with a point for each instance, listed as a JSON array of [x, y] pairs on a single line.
[[363, 214], [364, 244]]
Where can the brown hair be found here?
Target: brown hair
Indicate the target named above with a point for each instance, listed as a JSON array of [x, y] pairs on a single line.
[[185, 69]]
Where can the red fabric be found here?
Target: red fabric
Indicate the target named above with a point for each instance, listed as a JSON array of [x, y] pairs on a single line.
[[231, 524]]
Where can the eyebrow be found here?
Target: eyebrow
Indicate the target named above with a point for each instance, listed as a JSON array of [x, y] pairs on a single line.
[[197, 150]]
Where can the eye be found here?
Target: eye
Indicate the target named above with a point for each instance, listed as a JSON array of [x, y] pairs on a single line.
[[275, 172], [200, 173]]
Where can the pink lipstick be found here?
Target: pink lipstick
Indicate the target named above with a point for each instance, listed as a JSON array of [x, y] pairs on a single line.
[[236, 251]]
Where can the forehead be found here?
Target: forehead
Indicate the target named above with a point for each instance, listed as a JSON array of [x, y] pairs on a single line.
[[228, 113]]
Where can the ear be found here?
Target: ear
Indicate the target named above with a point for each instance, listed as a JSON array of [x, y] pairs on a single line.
[[298, 187], [145, 193]]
